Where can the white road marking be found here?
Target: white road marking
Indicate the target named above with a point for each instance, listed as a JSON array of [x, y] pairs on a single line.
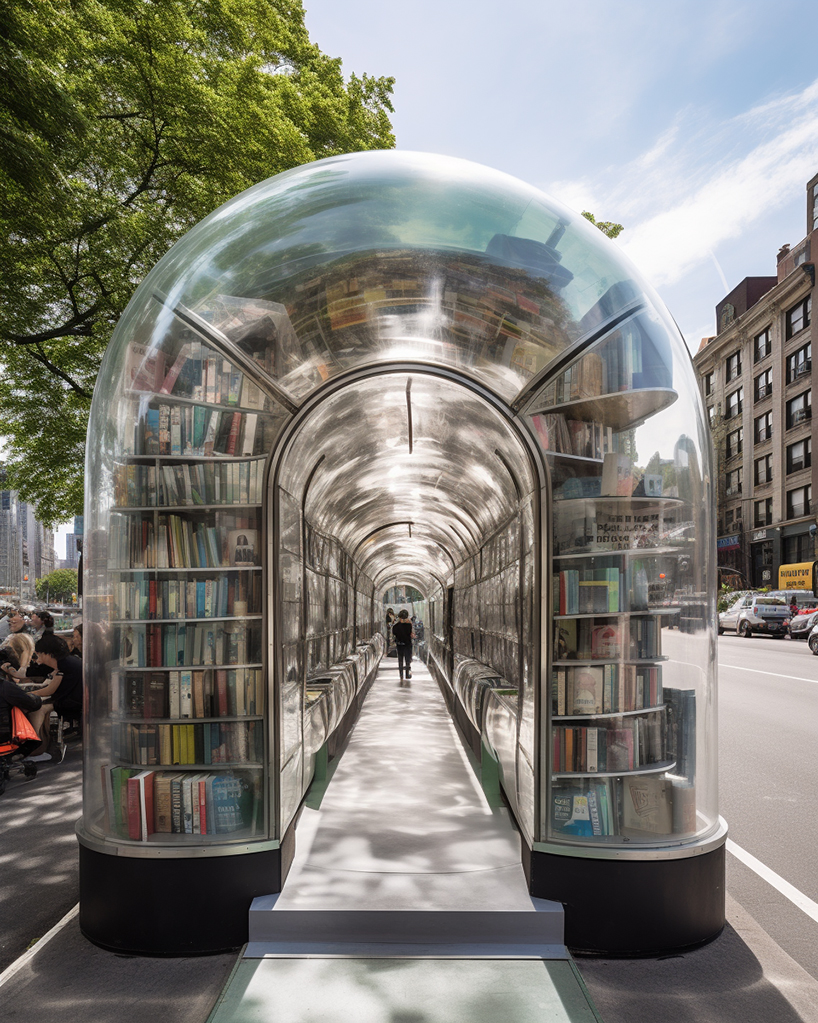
[[775, 674], [789, 891], [27, 956]]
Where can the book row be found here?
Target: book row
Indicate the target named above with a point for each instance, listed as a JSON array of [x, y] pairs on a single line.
[[141, 803], [222, 539], [211, 693], [636, 742], [196, 483], [585, 639], [637, 806], [194, 430], [190, 643], [197, 372], [606, 689], [233, 593], [210, 742], [585, 439], [595, 594], [589, 589]]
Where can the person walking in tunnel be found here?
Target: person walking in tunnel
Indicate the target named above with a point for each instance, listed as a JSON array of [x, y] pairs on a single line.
[[402, 633]]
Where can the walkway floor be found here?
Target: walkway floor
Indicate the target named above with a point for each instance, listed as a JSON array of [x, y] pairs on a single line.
[[403, 823]]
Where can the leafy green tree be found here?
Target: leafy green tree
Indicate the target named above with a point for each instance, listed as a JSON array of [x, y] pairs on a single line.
[[59, 585], [607, 227], [122, 124]]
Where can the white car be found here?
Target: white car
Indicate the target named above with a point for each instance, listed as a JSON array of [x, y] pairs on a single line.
[[756, 612]]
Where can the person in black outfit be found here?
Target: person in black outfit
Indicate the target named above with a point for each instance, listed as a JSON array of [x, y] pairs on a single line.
[[63, 686], [402, 633], [11, 695]]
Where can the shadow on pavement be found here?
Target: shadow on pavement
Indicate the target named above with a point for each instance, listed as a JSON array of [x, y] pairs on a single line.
[[723, 982]]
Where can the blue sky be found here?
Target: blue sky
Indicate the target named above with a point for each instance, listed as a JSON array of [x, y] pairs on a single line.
[[694, 124]]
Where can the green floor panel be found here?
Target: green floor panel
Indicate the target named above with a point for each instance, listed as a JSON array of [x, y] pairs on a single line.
[[404, 991]]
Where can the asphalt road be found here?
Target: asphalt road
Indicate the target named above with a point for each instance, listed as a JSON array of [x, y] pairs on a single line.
[[768, 765]]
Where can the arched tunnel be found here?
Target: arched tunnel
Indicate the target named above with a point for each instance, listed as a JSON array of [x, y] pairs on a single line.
[[396, 369]]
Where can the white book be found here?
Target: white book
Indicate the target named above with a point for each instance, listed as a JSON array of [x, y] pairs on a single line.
[[250, 423], [174, 695], [592, 749]]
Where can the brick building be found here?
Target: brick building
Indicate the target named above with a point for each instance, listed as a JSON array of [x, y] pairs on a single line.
[[756, 376]]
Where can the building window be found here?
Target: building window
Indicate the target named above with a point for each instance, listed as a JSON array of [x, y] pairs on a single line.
[[763, 512], [797, 549], [799, 363], [799, 455], [799, 316], [763, 427], [734, 479], [799, 409], [764, 470], [734, 444], [798, 501], [708, 384], [734, 366], [761, 344], [728, 517], [764, 384], [734, 403]]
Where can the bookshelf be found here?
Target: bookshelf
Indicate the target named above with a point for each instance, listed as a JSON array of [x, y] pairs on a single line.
[[622, 743], [188, 693]]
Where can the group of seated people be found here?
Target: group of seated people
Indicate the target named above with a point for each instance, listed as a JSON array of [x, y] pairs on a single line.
[[40, 672]]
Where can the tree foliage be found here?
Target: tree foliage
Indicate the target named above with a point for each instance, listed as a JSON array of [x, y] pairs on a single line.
[[122, 124], [59, 585], [607, 227]]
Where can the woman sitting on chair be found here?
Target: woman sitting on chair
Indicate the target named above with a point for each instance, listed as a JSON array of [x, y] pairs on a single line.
[[63, 688], [11, 695]]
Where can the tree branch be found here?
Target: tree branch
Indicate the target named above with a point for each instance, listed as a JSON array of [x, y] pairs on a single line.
[[40, 357]]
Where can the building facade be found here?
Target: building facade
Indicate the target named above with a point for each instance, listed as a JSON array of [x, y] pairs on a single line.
[[26, 546], [756, 376]]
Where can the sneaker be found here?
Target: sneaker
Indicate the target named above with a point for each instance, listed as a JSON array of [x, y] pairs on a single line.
[[40, 759]]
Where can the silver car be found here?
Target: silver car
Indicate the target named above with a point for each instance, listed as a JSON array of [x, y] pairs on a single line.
[[756, 612]]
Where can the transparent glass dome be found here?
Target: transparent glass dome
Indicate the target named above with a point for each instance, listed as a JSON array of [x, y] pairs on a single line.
[[392, 368]]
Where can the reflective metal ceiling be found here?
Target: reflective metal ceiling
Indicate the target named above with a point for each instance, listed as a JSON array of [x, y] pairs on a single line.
[[407, 510]]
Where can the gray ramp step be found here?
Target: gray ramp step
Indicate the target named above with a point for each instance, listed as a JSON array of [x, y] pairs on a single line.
[[402, 933]]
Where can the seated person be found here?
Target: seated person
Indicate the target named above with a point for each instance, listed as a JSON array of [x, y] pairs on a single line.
[[63, 688], [75, 641], [22, 646], [11, 695]]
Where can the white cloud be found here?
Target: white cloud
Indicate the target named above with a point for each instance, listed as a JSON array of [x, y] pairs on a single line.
[[702, 184]]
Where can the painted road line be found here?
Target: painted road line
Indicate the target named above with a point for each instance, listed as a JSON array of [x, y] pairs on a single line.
[[27, 956], [775, 674], [789, 891]]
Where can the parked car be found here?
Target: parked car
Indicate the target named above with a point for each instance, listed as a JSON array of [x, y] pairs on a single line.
[[801, 624], [813, 640], [756, 612]]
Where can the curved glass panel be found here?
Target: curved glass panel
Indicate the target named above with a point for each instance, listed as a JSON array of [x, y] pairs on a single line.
[[387, 256], [210, 670]]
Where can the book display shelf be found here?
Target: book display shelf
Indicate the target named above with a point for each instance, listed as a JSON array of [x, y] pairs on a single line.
[[622, 734], [188, 688]]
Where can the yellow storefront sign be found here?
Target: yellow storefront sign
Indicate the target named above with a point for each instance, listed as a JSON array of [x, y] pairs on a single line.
[[797, 576]]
